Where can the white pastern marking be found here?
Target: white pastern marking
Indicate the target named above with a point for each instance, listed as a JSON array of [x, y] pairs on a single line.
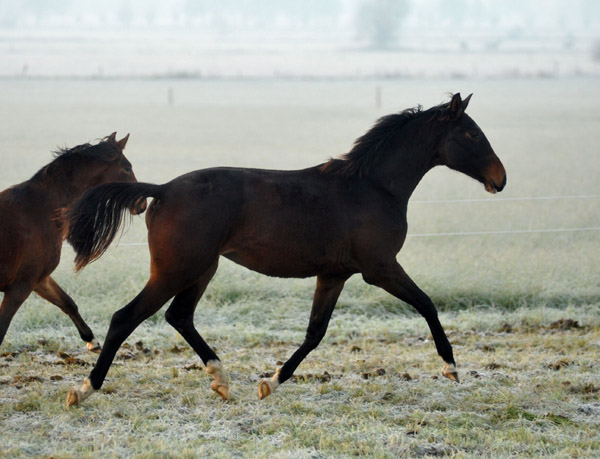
[[274, 381], [84, 392], [86, 388], [449, 368], [221, 383]]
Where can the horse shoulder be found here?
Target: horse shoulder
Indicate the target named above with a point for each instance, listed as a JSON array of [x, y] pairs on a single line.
[[28, 228]]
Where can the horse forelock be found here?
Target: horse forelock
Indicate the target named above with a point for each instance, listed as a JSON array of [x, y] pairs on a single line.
[[67, 158], [106, 150]]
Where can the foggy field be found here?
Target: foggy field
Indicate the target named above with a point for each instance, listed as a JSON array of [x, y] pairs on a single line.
[[520, 305]]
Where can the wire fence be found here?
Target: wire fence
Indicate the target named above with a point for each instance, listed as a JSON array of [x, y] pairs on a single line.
[[475, 233], [492, 200], [481, 233]]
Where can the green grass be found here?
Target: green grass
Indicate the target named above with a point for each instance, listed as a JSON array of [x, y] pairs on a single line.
[[522, 311]]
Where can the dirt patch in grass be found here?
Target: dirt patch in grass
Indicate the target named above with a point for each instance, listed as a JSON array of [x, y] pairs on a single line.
[[564, 324]]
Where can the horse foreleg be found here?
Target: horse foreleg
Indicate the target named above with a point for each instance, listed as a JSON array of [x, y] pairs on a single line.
[[122, 324], [396, 282], [14, 297], [49, 290], [326, 294], [181, 316]]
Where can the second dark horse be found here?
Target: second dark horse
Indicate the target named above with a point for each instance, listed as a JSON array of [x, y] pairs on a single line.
[[331, 221], [32, 229]]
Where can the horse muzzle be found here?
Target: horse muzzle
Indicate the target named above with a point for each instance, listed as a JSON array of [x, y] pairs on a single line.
[[495, 178]]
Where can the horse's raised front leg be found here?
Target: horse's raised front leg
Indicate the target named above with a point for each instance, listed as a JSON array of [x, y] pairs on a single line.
[[49, 290], [181, 316], [394, 280], [14, 297], [326, 295], [122, 324]]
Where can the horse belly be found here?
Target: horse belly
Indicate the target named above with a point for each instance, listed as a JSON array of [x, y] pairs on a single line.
[[288, 258], [269, 265]]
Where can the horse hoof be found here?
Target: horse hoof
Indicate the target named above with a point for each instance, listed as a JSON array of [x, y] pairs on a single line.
[[220, 389], [264, 389], [453, 377], [93, 346], [76, 397], [449, 371], [72, 398]]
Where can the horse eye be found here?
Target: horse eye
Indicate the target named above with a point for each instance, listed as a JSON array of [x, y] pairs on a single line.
[[473, 134]]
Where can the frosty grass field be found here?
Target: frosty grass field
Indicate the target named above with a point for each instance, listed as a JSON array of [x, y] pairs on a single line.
[[521, 309]]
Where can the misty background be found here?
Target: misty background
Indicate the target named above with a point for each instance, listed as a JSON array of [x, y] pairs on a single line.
[[300, 38]]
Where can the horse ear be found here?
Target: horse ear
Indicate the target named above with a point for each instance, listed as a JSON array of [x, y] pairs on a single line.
[[121, 143], [456, 106], [112, 137], [465, 102]]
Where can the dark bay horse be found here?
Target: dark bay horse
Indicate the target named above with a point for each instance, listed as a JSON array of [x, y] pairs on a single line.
[[331, 221], [32, 230]]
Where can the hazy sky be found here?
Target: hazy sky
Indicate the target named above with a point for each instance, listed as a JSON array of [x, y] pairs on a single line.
[[230, 15], [290, 37]]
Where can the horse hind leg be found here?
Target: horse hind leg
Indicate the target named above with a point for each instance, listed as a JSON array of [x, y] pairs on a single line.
[[326, 294], [49, 290], [152, 297], [180, 315]]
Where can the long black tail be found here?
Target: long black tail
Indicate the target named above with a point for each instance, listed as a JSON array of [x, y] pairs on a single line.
[[95, 219]]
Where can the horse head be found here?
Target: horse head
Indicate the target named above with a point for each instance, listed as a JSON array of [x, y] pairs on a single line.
[[120, 170], [466, 149]]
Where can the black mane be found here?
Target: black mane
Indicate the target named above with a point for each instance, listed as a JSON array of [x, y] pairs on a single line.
[[378, 140], [105, 150]]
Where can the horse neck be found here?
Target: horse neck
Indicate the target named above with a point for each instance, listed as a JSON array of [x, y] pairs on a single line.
[[62, 186], [401, 169]]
